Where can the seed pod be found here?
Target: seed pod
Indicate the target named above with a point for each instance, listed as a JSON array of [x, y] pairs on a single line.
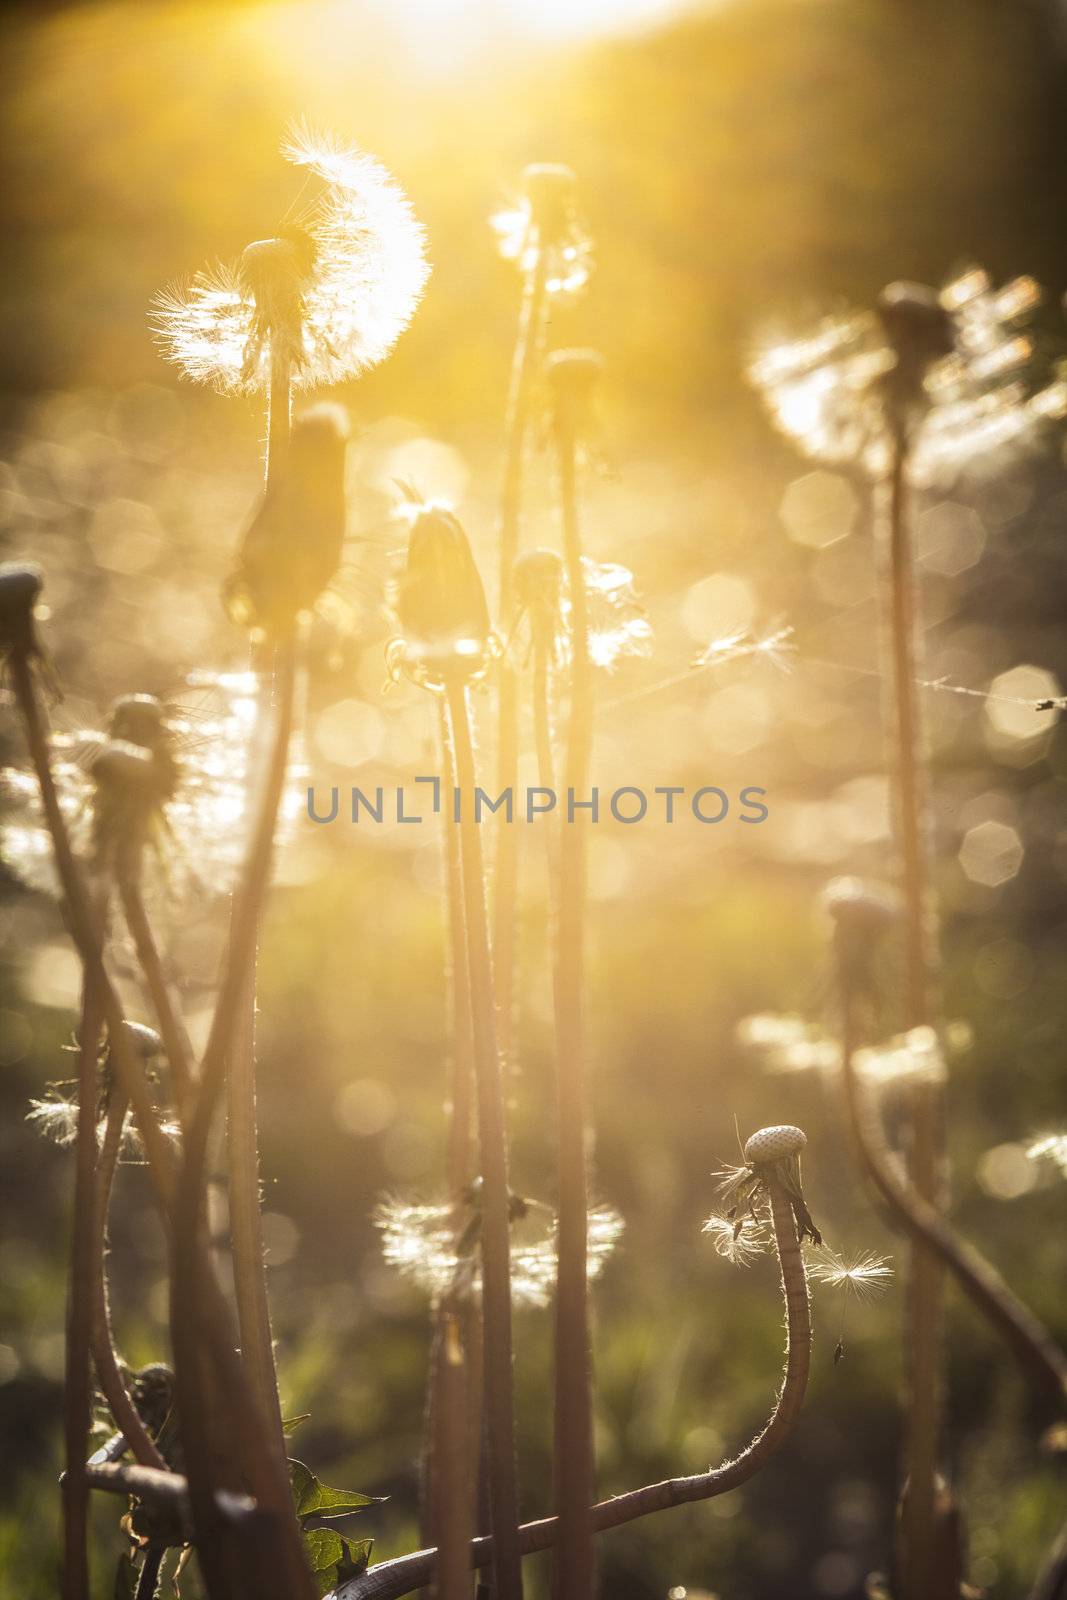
[[440, 599], [549, 190], [920, 332], [293, 546], [774, 1144], [20, 589]]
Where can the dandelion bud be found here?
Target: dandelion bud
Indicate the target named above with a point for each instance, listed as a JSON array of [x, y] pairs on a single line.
[[440, 599], [20, 589], [538, 579], [294, 543], [572, 377], [550, 191]]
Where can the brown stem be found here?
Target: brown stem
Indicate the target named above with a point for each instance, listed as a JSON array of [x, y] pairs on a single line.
[[105, 1356], [573, 1460], [925, 1397], [1052, 1580], [1041, 1361], [392, 1579], [77, 1392], [524, 368], [148, 1577], [171, 1027], [493, 1164]]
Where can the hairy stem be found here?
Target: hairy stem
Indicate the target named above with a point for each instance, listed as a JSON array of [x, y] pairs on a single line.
[[148, 1577], [246, 1216], [925, 1316], [493, 1164], [524, 368], [105, 1356], [1041, 1361], [77, 1391], [171, 1027], [392, 1579], [573, 1459]]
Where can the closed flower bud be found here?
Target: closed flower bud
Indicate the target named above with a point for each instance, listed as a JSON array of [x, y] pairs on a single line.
[[20, 589], [294, 543], [572, 377], [440, 599]]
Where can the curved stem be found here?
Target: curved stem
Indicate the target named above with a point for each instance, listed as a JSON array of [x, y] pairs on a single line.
[[77, 1390], [392, 1579], [1052, 1580], [573, 1459], [493, 1164], [926, 1158], [1040, 1359], [127, 1418], [172, 1030], [524, 368]]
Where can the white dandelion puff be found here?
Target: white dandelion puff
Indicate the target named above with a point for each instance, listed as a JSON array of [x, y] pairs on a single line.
[[738, 1242], [543, 229], [775, 646], [865, 1275], [618, 626], [339, 288]]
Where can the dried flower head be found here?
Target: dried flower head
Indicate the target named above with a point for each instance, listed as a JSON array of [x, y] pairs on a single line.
[[943, 369], [439, 602], [772, 1155], [861, 914], [293, 546], [20, 590], [739, 1241], [544, 228], [437, 1249], [333, 292], [573, 378]]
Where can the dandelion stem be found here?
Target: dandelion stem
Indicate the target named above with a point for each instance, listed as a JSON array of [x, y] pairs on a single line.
[[127, 1418], [77, 1393], [148, 1577], [172, 1029], [1040, 1358], [246, 1219], [925, 1397], [392, 1579], [493, 1164], [453, 1399], [524, 367], [574, 1467]]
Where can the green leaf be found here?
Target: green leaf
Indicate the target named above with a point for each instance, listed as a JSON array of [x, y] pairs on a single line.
[[314, 1499], [290, 1424], [355, 1560], [325, 1552]]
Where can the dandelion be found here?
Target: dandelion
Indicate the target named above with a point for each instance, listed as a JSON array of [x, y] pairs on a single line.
[[859, 1277], [20, 591], [334, 293], [772, 1156], [739, 1241], [543, 231], [786, 1043], [54, 1115], [944, 366], [1050, 1147], [423, 1243]]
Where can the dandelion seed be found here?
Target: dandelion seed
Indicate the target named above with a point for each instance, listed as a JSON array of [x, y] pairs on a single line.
[[788, 1044], [777, 647], [544, 223], [950, 362], [914, 1057], [618, 626], [422, 1243], [865, 1276], [337, 291], [1050, 1147], [738, 1242]]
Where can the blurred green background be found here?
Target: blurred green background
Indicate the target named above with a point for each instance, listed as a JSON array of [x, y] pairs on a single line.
[[743, 169]]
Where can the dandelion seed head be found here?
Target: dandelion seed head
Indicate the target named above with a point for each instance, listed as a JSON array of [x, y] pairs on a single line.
[[423, 1243], [863, 1276], [544, 223], [776, 1143], [740, 1243], [55, 1117], [914, 1057], [337, 292], [1050, 1147]]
